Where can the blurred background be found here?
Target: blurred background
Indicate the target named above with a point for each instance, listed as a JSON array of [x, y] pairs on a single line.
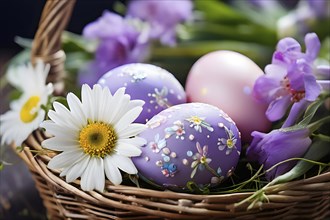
[[250, 27]]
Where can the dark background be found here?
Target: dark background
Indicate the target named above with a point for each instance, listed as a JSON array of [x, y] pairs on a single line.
[[19, 198]]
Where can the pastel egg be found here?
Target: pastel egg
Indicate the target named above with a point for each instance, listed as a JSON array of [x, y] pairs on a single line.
[[192, 142], [225, 79], [152, 84]]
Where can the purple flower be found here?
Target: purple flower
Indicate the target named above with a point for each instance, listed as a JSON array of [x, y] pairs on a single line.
[[163, 16], [289, 79], [319, 8], [120, 42], [276, 146]]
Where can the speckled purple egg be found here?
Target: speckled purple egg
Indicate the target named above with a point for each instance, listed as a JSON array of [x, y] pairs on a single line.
[[192, 142], [152, 84]]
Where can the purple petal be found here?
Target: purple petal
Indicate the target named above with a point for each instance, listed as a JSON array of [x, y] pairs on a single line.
[[288, 44], [312, 88], [263, 88], [254, 150], [320, 7], [313, 46], [163, 16], [286, 145], [108, 25], [277, 146], [277, 108], [296, 111]]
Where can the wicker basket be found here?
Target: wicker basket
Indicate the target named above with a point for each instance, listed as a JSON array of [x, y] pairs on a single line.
[[302, 199]]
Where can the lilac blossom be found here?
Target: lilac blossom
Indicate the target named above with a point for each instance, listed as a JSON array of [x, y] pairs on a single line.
[[163, 16], [290, 78], [319, 8], [277, 146], [120, 42]]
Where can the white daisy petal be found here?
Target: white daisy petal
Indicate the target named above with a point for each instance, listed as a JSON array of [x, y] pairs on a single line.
[[60, 144], [87, 178], [62, 112], [97, 100], [111, 171], [135, 103], [93, 176], [99, 174], [106, 104], [62, 121], [137, 141], [119, 110], [124, 163], [118, 101], [65, 159], [57, 130], [8, 136], [132, 130], [76, 107], [75, 171], [128, 150], [128, 118], [87, 103]]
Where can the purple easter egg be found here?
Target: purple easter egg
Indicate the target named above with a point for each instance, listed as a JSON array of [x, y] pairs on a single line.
[[192, 142], [152, 84]]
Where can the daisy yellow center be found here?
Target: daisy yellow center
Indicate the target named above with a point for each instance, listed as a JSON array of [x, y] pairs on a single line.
[[196, 120], [28, 111], [98, 139]]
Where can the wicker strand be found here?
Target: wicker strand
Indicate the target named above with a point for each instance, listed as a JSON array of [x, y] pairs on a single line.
[[47, 41], [307, 198]]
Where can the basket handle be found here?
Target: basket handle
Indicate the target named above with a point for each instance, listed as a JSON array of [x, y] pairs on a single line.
[[47, 41]]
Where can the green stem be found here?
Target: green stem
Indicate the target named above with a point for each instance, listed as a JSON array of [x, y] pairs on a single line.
[[315, 125], [322, 137], [296, 158]]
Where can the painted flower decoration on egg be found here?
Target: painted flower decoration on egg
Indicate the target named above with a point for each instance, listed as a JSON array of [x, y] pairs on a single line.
[[191, 142], [152, 84]]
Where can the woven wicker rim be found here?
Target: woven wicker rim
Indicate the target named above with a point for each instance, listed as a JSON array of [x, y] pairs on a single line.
[[309, 198]]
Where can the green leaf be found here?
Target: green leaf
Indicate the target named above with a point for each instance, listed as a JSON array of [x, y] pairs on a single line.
[[317, 151], [219, 11], [310, 112], [265, 16], [234, 32], [194, 188], [196, 49], [15, 94], [74, 42], [119, 7]]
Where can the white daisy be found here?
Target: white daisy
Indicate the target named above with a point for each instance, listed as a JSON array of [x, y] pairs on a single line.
[[25, 114], [96, 135]]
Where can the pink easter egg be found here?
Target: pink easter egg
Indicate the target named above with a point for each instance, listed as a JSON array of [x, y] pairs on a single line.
[[225, 79]]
